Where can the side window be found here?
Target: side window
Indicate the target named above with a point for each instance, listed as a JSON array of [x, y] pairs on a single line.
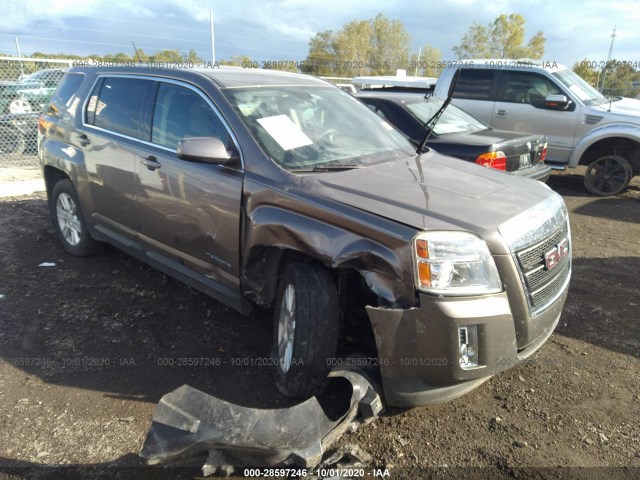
[[180, 112], [474, 84], [63, 95], [529, 88], [118, 104]]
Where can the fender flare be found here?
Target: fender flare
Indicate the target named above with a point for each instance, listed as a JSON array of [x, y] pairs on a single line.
[[629, 131]]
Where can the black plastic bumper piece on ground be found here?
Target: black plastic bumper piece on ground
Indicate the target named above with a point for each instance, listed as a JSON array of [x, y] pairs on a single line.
[[188, 423]]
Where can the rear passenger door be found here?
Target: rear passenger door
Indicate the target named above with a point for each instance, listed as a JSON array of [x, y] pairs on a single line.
[[190, 212], [475, 93], [116, 121]]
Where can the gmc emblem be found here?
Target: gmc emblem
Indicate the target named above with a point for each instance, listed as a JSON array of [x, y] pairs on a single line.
[[553, 257]]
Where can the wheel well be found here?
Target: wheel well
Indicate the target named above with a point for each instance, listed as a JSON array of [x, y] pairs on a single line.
[[52, 176], [627, 148], [356, 332]]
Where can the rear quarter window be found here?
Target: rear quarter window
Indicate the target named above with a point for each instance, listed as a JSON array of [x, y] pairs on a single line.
[[475, 84], [63, 96]]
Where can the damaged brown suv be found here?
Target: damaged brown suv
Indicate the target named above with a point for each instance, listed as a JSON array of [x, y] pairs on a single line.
[[283, 191]]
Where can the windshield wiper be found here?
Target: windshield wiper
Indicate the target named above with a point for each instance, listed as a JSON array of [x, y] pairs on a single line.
[[326, 168], [431, 123]]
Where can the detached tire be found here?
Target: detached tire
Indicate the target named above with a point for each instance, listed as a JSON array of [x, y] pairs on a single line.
[[67, 220], [608, 175], [306, 327]]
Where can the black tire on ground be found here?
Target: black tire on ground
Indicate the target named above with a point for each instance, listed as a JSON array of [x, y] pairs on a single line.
[[12, 142], [307, 300], [608, 175], [68, 222]]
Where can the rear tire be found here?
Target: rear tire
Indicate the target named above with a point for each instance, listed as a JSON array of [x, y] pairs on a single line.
[[306, 327], [68, 222], [608, 175]]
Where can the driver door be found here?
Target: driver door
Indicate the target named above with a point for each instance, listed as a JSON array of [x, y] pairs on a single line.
[[189, 212], [520, 107]]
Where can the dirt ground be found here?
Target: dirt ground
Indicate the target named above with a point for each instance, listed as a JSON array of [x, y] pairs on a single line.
[[85, 348]]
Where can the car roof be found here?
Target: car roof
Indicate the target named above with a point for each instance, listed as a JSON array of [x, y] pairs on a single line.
[[224, 76]]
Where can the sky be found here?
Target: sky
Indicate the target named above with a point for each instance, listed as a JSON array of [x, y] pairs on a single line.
[[281, 29]]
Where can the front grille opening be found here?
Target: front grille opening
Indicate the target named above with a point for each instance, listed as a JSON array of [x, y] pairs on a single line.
[[543, 285]]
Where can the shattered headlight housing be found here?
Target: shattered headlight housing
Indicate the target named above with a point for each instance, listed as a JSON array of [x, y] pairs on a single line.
[[454, 263]]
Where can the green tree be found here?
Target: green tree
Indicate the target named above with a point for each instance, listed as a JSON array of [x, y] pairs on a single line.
[[353, 45], [322, 54], [617, 77], [171, 56], [193, 57], [583, 68], [237, 61], [361, 47], [503, 38], [427, 64], [389, 46], [474, 43]]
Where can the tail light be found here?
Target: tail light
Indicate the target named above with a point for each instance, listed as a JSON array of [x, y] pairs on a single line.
[[543, 153], [42, 125], [497, 160]]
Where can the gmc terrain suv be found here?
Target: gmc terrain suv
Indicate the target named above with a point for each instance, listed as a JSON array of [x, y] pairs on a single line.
[[283, 191]]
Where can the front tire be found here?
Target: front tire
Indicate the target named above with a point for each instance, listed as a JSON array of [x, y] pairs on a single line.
[[67, 220], [19, 105], [306, 327], [608, 175]]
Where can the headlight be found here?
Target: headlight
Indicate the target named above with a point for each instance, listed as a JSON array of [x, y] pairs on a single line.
[[454, 263]]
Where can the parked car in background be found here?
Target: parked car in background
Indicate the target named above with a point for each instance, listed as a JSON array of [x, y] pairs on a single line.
[[460, 135], [18, 134], [31, 93], [283, 191], [583, 126]]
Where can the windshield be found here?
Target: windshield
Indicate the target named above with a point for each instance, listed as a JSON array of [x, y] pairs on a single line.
[[581, 89], [304, 127], [453, 120]]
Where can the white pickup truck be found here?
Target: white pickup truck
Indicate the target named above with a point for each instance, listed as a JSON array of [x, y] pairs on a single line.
[[583, 126]]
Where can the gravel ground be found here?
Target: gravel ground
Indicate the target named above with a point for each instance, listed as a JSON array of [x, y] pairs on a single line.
[[86, 347]]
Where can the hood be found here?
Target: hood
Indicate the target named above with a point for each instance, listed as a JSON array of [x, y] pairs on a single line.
[[627, 109], [432, 191]]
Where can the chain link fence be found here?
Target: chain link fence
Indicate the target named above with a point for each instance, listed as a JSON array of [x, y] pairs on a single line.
[[26, 86]]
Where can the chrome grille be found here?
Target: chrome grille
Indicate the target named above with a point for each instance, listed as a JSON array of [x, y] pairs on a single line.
[[546, 293], [542, 285]]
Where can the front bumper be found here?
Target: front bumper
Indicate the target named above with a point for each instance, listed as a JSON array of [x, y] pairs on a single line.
[[418, 348]]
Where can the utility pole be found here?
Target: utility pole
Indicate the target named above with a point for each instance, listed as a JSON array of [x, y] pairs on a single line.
[[213, 42], [604, 74], [19, 56]]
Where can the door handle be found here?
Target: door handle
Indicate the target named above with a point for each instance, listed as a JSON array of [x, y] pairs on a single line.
[[83, 140], [502, 113], [151, 162]]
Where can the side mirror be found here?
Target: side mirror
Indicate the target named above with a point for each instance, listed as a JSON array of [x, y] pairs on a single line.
[[203, 150], [556, 102]]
